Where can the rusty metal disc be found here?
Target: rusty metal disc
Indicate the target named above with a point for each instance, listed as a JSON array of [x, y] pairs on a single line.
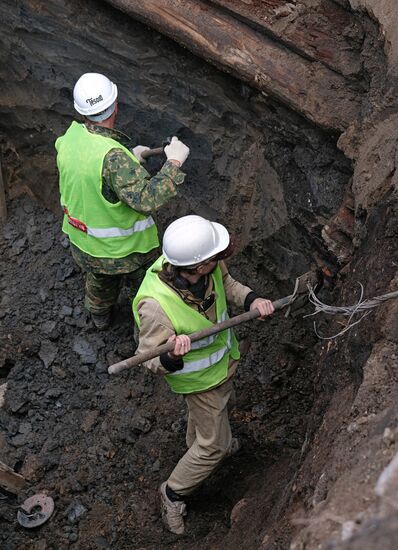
[[35, 511]]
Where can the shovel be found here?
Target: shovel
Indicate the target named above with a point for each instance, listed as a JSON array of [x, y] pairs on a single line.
[[311, 279]]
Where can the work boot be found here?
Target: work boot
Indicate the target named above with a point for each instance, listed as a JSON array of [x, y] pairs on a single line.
[[172, 512], [101, 321]]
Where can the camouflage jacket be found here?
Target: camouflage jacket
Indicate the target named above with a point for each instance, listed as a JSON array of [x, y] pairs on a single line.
[[125, 180]]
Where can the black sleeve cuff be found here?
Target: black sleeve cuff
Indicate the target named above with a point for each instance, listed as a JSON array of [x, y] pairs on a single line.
[[249, 300], [172, 365]]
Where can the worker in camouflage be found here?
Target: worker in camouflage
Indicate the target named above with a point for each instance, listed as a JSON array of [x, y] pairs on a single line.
[[108, 218]]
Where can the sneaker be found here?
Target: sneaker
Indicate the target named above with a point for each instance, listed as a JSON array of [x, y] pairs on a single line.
[[102, 321], [234, 448], [172, 512]]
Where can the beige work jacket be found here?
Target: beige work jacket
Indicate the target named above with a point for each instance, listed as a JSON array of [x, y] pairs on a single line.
[[156, 327]]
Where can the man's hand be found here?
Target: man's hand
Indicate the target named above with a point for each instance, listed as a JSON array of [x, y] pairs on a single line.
[[264, 306], [177, 151], [138, 149], [182, 345]]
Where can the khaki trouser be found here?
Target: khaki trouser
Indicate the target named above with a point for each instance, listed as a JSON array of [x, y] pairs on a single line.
[[208, 438]]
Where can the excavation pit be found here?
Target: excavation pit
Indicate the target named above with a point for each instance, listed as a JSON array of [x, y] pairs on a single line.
[[306, 409]]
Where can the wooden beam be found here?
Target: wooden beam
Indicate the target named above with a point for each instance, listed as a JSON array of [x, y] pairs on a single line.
[[10, 480], [308, 87], [317, 29]]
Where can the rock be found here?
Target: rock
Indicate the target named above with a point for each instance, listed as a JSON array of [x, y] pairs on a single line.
[[388, 437], [53, 393], [58, 372], [260, 411], [32, 467], [64, 271], [49, 329], [387, 485], [10, 233], [20, 440], [65, 311], [16, 406], [284, 11], [25, 428], [48, 352], [141, 424], [85, 350], [18, 247], [46, 242], [49, 446], [178, 426], [237, 510], [348, 529], [64, 241], [84, 369], [27, 206], [77, 312], [75, 512], [321, 489], [101, 367], [3, 389], [89, 420], [102, 543], [126, 348]]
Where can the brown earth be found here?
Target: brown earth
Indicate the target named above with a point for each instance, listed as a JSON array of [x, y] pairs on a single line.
[[318, 419]]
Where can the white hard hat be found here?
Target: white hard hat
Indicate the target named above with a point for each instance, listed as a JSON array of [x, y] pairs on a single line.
[[191, 240], [95, 96]]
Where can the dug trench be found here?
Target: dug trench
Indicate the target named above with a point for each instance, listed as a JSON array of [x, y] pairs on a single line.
[[317, 419]]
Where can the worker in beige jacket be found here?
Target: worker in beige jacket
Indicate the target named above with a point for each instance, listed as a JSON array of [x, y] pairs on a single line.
[[186, 290]]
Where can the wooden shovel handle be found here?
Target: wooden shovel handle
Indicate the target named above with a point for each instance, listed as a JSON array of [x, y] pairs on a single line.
[[152, 152], [195, 336]]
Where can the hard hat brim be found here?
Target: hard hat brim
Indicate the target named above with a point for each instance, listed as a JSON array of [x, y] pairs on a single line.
[[223, 238]]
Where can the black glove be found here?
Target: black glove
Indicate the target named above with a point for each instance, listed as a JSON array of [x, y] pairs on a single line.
[[170, 364]]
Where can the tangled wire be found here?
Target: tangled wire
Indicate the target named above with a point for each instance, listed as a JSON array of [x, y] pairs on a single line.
[[348, 311]]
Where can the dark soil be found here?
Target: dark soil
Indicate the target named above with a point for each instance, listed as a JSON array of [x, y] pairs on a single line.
[[100, 446], [106, 444]]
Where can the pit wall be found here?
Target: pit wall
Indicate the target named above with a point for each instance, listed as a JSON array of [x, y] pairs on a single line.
[[386, 14]]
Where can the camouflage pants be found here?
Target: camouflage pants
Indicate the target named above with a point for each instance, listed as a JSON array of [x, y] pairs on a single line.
[[102, 290], [105, 277]]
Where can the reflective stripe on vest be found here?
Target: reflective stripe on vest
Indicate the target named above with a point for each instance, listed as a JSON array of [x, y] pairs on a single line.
[[141, 225], [105, 233], [195, 366], [210, 339]]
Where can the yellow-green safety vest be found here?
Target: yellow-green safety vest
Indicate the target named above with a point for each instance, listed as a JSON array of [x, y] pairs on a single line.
[[93, 224], [206, 365]]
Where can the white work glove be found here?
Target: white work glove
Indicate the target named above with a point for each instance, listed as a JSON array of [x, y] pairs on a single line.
[[177, 150], [138, 149]]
